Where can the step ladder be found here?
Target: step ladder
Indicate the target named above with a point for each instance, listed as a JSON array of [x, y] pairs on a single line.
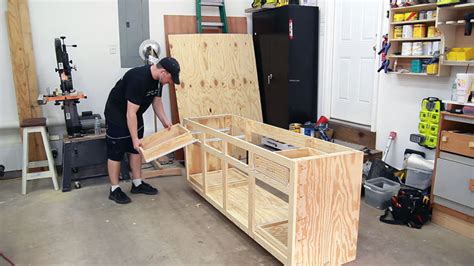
[[207, 24]]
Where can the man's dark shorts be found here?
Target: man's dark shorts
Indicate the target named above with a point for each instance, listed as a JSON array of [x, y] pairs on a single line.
[[119, 141]]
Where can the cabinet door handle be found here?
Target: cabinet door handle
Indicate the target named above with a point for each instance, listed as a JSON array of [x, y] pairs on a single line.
[[269, 78], [444, 139], [471, 144]]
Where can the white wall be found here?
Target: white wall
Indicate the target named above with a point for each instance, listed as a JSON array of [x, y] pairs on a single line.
[[93, 26]]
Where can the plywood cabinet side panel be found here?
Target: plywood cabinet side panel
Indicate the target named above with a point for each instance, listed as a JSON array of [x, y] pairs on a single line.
[[328, 205], [218, 75]]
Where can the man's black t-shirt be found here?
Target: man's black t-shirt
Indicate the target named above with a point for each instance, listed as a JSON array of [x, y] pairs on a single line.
[[136, 86]]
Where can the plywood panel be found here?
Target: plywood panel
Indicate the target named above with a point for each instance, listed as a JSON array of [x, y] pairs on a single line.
[[327, 209], [453, 223], [218, 75], [187, 25], [24, 70]]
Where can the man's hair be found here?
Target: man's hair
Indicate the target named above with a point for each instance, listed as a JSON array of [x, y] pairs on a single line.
[[158, 65]]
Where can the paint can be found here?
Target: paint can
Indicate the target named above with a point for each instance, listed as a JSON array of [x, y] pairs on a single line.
[[417, 49], [427, 48], [399, 17], [436, 46], [295, 127], [422, 15], [409, 16], [431, 14], [432, 69], [398, 32], [419, 31], [307, 130], [407, 48], [431, 31], [407, 32]]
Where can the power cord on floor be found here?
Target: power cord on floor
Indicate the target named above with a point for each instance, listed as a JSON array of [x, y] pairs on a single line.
[[7, 259]]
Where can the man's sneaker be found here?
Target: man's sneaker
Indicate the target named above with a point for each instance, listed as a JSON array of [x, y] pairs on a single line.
[[119, 196], [144, 188]]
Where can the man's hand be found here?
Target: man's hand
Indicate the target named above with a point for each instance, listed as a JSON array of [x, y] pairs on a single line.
[[136, 144], [167, 124]]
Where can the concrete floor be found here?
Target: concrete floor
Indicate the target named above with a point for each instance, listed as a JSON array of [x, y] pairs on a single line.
[[177, 227]]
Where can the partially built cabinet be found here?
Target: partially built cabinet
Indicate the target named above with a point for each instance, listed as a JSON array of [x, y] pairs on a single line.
[[302, 204]]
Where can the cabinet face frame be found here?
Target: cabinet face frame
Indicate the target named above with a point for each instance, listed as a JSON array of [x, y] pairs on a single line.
[[300, 205]]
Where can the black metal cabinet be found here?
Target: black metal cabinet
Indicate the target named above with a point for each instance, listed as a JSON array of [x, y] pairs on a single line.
[[286, 49]]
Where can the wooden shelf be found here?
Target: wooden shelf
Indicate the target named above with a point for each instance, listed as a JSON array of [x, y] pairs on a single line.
[[458, 63], [417, 39], [415, 74], [413, 22], [411, 56], [414, 8], [462, 7], [457, 103], [454, 22]]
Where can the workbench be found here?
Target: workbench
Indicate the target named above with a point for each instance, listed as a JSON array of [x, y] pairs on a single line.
[[89, 150], [302, 204]]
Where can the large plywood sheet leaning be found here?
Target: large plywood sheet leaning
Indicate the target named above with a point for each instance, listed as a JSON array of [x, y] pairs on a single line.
[[218, 75]]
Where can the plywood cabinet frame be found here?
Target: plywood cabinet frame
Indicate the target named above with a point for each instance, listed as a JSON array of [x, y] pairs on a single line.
[[321, 225]]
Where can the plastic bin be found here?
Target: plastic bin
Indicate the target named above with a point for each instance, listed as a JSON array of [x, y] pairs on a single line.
[[379, 191], [418, 178]]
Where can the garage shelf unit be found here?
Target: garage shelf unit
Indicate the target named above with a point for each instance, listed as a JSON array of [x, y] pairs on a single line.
[[449, 22], [302, 205]]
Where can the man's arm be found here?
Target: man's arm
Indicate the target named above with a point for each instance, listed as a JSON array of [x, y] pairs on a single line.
[[132, 123], [160, 112]]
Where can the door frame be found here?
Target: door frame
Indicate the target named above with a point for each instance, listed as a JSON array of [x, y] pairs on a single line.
[[330, 10]]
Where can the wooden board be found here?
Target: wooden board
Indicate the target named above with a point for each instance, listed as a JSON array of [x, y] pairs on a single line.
[[218, 75], [24, 70], [329, 190], [269, 208], [353, 134], [453, 223], [187, 25]]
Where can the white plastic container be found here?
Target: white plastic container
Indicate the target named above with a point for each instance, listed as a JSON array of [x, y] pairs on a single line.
[[418, 178], [407, 32], [379, 191], [407, 48]]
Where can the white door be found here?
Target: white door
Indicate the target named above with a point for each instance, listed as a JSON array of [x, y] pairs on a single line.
[[356, 23]]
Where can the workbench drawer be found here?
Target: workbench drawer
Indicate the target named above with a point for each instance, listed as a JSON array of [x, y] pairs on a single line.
[[452, 182], [165, 141], [457, 142], [275, 171]]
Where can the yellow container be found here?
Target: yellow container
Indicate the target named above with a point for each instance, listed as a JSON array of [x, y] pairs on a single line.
[[431, 31], [432, 69], [399, 17], [398, 32], [419, 31], [461, 54], [409, 16]]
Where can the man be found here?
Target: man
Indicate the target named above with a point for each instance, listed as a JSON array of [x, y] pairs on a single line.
[[139, 88]]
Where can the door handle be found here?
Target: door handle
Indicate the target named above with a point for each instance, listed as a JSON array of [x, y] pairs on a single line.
[[269, 78]]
